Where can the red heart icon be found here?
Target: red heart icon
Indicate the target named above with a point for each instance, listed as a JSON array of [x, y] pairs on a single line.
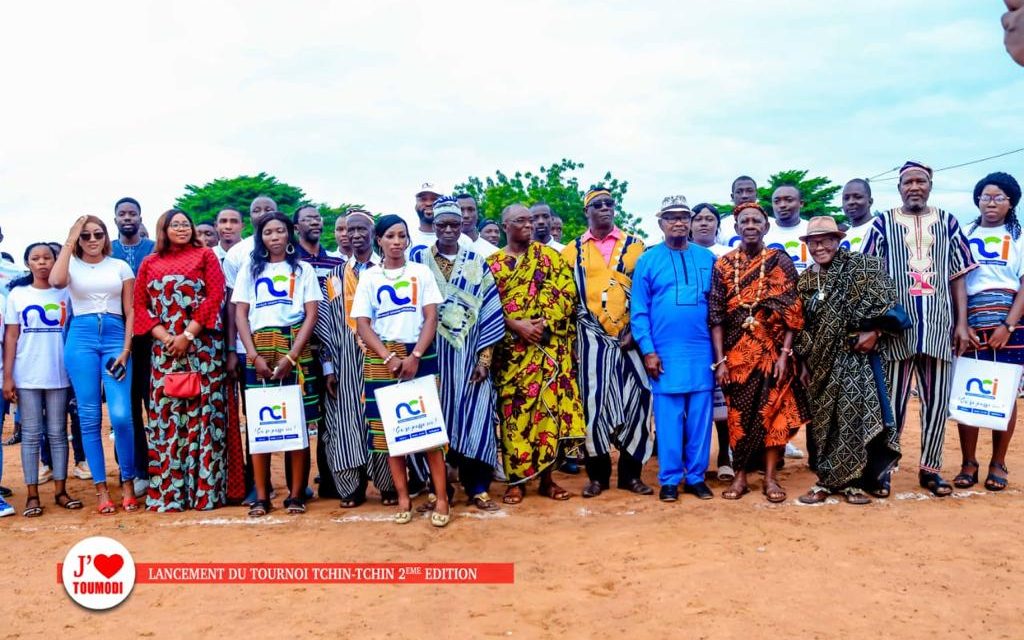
[[108, 565]]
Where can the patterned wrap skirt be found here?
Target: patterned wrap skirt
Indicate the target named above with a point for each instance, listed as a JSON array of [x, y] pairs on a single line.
[[377, 375], [273, 343], [985, 312]]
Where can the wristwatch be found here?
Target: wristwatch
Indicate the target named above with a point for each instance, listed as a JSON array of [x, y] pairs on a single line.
[[417, 355], [1010, 327], [189, 335]]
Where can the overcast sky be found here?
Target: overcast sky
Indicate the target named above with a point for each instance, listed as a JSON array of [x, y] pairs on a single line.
[[361, 102]]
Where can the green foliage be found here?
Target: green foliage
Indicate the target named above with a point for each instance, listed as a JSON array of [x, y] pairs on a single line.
[[817, 193], [203, 203], [554, 185]]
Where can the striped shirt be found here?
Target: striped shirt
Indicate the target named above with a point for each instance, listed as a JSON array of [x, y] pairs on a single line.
[[923, 254]]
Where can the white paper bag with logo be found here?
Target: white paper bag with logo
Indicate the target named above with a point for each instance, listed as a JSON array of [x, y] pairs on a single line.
[[275, 419], [721, 411], [984, 393], [411, 416]]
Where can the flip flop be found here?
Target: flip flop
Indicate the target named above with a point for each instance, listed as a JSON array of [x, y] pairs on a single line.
[[513, 495]]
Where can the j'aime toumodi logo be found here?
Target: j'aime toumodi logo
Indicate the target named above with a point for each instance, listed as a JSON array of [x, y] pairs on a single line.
[[411, 410], [982, 388], [98, 573], [52, 315], [283, 295], [274, 414], [992, 247]]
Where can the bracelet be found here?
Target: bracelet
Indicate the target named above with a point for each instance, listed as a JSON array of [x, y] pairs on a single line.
[[788, 352], [388, 359], [714, 366], [288, 357], [232, 350]]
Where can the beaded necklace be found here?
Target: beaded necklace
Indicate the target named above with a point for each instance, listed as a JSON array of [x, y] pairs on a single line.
[[750, 322]]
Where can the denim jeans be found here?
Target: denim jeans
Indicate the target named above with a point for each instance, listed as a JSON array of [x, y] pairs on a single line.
[[93, 339], [34, 421]]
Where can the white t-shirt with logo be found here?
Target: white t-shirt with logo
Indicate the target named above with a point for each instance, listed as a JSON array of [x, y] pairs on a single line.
[[96, 288], [854, 239], [788, 239], [393, 300], [41, 314], [278, 296], [237, 260], [1000, 260], [727, 236]]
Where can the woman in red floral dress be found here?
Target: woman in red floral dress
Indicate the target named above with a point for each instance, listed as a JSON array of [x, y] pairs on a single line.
[[177, 301]]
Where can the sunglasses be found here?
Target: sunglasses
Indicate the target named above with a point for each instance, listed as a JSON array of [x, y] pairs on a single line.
[[97, 235], [606, 203], [448, 225]]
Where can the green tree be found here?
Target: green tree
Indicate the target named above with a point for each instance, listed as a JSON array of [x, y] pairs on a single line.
[[817, 192], [203, 203], [554, 185]]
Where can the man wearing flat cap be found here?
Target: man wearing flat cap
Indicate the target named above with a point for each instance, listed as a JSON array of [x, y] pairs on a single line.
[[669, 315], [927, 255], [613, 384]]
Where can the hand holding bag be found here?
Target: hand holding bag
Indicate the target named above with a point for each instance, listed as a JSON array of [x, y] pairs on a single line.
[[182, 384]]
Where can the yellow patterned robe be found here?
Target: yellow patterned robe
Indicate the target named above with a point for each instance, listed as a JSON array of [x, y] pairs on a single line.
[[538, 399]]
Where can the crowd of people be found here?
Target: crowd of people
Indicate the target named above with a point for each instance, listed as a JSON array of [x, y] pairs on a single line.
[[749, 326]]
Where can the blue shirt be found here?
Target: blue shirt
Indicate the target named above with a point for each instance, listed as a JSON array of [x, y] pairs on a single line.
[[669, 315], [133, 254]]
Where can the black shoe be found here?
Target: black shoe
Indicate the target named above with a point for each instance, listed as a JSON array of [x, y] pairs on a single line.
[[700, 490], [668, 493], [14, 439], [637, 486], [5, 492]]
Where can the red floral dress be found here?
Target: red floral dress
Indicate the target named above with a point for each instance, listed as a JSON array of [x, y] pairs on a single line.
[[186, 437]]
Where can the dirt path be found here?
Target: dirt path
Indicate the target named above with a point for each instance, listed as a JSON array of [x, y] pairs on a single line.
[[909, 567]]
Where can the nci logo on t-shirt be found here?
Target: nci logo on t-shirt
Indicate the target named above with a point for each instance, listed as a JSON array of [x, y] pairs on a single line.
[[277, 296], [52, 315], [403, 295], [851, 244], [992, 250]]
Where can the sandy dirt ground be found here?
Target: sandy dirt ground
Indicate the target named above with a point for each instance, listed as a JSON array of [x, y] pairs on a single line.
[[909, 567]]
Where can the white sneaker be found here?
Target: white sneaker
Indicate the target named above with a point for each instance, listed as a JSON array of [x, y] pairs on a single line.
[[5, 508], [141, 487], [111, 436], [45, 474], [792, 451], [81, 471]]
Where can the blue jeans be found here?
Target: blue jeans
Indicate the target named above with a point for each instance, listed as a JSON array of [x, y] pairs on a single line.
[[93, 339], [43, 412]]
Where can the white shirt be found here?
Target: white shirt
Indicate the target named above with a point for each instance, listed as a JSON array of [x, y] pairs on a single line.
[[788, 239], [41, 314], [393, 300], [1000, 260], [855, 236], [482, 247], [557, 246], [237, 260], [727, 236], [278, 297], [96, 288]]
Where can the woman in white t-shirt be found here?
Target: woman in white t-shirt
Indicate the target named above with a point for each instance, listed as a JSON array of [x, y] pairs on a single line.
[[276, 297], [98, 349], [995, 304], [395, 307], [34, 334]]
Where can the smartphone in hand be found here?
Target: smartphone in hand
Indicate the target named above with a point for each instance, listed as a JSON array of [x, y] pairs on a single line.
[[115, 369]]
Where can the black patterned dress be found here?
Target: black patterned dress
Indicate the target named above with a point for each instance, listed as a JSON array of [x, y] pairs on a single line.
[[186, 436]]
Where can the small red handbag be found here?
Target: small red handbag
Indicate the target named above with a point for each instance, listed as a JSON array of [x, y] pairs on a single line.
[[182, 384]]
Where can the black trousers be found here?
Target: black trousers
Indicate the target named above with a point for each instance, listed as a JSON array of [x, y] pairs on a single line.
[[142, 372], [599, 468]]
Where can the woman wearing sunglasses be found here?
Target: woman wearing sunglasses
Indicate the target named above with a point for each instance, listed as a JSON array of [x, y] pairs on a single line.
[[98, 347]]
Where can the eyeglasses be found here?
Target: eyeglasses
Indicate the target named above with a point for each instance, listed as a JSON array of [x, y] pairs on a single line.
[[673, 218], [85, 235], [447, 225], [179, 225], [519, 221], [606, 203], [1000, 199]]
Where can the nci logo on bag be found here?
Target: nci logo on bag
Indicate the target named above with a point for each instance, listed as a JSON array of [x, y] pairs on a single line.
[[414, 421], [992, 250], [273, 416], [979, 388], [277, 296], [52, 316], [401, 296]]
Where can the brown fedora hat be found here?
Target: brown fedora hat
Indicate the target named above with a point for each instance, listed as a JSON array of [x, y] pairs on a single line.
[[822, 226]]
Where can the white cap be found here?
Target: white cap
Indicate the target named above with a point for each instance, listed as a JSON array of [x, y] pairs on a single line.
[[430, 187]]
